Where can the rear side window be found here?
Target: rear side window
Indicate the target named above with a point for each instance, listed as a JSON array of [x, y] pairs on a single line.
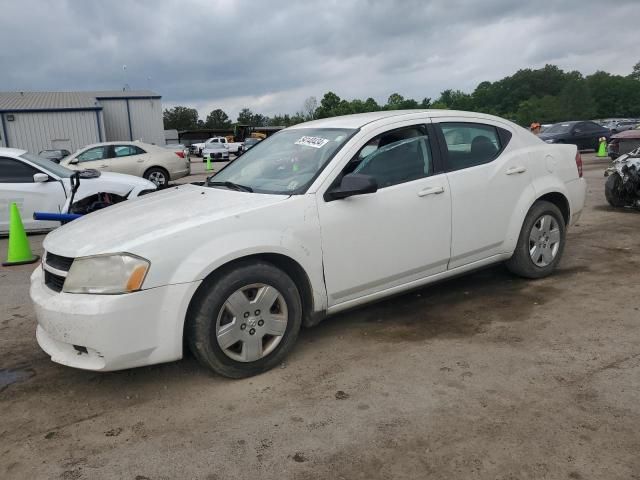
[[471, 144], [124, 150], [13, 171]]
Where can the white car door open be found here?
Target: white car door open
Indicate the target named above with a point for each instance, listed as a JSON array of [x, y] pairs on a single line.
[[399, 234]]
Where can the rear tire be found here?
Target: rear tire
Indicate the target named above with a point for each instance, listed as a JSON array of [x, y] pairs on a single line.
[[245, 320], [541, 242], [611, 188], [159, 176]]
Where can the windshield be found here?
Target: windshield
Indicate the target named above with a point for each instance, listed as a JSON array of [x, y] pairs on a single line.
[[250, 141], [285, 163], [559, 128], [47, 165]]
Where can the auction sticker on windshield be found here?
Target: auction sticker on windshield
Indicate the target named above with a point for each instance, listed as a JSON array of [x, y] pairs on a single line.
[[315, 142]]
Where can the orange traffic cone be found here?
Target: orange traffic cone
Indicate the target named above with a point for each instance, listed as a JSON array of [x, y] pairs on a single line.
[[19, 252]]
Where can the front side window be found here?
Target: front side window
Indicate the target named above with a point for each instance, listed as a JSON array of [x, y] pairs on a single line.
[[285, 163], [13, 171], [96, 153], [124, 150], [470, 144], [394, 157]]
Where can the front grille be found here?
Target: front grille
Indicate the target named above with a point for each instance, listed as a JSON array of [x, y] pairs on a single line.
[[58, 262], [54, 282]]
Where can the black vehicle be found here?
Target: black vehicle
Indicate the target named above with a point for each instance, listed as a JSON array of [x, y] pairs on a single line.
[[585, 135], [54, 155]]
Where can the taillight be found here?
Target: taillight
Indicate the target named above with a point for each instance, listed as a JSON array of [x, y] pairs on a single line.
[[180, 154], [579, 164]]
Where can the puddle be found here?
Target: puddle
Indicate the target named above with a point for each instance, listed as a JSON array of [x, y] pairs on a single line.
[[11, 376]]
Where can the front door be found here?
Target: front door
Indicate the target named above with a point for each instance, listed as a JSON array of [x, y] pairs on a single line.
[[96, 158], [487, 181], [399, 234], [17, 185]]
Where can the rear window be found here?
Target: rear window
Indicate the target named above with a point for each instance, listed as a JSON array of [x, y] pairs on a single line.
[[471, 144]]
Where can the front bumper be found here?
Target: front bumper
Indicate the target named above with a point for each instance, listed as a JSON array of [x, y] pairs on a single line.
[[111, 332]]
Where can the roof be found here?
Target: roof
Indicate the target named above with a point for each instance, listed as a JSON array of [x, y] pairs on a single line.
[[633, 133], [43, 101], [14, 152], [359, 120], [16, 101]]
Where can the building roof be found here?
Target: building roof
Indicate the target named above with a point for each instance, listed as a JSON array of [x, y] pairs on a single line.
[[16, 101], [42, 101]]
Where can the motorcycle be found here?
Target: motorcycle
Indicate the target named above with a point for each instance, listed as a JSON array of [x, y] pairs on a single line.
[[622, 187]]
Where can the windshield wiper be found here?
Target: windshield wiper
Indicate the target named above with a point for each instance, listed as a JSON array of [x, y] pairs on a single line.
[[230, 186]]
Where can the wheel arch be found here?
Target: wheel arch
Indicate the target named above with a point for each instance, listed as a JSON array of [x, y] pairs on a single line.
[[283, 262], [560, 201]]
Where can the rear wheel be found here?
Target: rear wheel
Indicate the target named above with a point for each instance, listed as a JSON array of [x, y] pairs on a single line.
[[245, 321], [541, 242], [611, 189], [157, 175]]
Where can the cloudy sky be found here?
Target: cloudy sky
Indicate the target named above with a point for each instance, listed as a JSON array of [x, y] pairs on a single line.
[[269, 55]]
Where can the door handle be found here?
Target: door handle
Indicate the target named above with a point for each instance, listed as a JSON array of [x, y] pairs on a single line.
[[431, 191], [515, 170], [103, 166], [140, 161]]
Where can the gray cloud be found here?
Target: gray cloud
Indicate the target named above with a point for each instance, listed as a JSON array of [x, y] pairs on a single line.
[[270, 55]]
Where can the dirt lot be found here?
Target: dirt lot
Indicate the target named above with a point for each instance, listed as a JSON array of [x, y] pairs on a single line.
[[486, 376]]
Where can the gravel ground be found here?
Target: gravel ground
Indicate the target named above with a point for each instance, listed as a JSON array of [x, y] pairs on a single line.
[[482, 377]]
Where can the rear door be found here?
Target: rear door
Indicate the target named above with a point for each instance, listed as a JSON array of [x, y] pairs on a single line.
[[487, 179], [17, 185], [127, 159]]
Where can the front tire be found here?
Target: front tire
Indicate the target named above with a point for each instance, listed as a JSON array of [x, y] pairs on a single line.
[[245, 320], [541, 242], [611, 189]]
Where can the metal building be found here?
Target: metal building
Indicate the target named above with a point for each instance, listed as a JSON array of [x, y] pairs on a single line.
[[37, 121]]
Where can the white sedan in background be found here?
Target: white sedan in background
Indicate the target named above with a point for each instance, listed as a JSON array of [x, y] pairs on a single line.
[[316, 219], [152, 162], [37, 184]]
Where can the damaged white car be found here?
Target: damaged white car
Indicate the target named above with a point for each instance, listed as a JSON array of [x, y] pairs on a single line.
[[622, 188], [37, 184], [319, 218]]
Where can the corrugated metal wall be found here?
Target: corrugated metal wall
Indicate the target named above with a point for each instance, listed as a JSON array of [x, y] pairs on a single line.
[[146, 120], [46, 130], [116, 120], [145, 115]]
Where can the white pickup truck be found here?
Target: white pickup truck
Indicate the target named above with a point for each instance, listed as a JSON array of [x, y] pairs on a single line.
[[233, 147]]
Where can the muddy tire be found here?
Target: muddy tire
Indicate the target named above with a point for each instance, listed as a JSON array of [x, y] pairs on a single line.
[[611, 188], [245, 320], [541, 242]]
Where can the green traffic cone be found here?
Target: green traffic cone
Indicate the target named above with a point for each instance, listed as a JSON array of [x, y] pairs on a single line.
[[19, 252], [209, 162], [602, 149]]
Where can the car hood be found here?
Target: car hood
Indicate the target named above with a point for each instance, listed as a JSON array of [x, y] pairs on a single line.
[[171, 212], [109, 182]]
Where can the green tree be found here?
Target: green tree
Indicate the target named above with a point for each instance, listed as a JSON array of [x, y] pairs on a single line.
[[180, 118], [218, 119], [245, 117], [635, 74]]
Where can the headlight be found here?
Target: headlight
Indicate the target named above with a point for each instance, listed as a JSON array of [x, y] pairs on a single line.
[[106, 274], [549, 140]]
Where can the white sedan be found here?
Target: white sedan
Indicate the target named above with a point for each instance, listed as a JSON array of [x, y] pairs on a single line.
[[37, 184], [318, 218], [152, 162]]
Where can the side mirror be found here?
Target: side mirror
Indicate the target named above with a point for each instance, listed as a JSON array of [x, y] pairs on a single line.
[[40, 177], [73, 161], [352, 184]]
